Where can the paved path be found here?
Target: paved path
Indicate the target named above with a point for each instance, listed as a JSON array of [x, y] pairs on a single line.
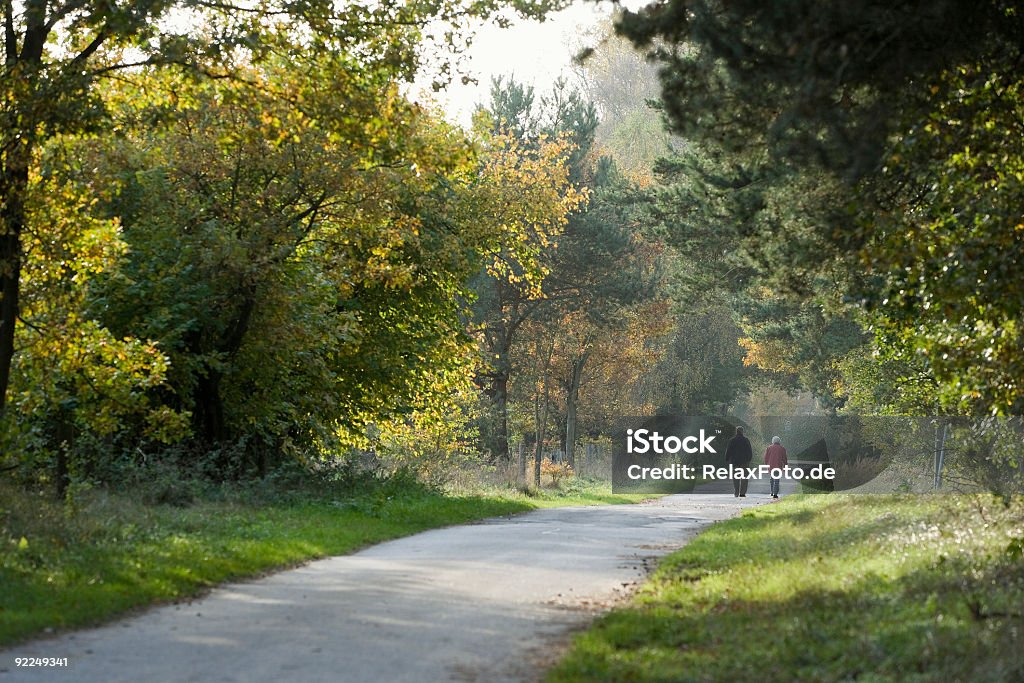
[[469, 603], [756, 488]]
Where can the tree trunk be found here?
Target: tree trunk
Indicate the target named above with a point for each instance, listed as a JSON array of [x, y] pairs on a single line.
[[572, 398], [13, 188], [941, 433], [209, 422], [17, 146], [209, 409], [570, 430], [494, 434], [263, 462], [562, 439], [541, 405], [541, 417], [499, 397], [64, 435]]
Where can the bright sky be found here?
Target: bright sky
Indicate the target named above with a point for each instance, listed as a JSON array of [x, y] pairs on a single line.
[[535, 52]]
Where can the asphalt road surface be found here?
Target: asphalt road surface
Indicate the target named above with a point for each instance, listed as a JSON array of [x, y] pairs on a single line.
[[482, 602]]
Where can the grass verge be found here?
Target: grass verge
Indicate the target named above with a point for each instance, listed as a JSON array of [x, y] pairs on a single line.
[[65, 566], [826, 588]]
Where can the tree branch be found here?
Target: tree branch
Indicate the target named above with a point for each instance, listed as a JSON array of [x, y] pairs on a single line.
[[64, 11], [91, 48], [231, 7], [979, 613]]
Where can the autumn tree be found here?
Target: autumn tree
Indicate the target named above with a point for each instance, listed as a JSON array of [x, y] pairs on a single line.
[[507, 292], [510, 292], [593, 269], [606, 266]]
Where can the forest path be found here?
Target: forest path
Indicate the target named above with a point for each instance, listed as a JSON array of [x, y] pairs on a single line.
[[480, 602]]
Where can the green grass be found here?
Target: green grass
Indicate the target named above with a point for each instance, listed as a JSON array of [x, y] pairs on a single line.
[[826, 588], [573, 491], [106, 555]]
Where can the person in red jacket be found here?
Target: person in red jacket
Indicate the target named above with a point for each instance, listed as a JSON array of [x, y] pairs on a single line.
[[775, 457]]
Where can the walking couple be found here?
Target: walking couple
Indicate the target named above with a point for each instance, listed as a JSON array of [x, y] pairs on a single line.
[[739, 453]]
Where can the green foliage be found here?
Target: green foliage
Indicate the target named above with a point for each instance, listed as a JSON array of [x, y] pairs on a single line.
[[57, 55], [297, 248], [985, 453], [701, 369], [821, 84], [435, 443], [855, 156], [885, 378], [76, 384], [73, 68], [303, 270], [945, 234]]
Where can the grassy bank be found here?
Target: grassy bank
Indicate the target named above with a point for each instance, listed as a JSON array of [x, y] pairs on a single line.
[[827, 588], [63, 566]]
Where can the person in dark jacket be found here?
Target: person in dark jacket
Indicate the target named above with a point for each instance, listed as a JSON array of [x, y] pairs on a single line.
[[739, 453]]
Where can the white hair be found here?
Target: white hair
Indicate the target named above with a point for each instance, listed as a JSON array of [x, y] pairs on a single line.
[[776, 439]]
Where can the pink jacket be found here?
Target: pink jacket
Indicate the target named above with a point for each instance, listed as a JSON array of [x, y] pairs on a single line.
[[775, 456]]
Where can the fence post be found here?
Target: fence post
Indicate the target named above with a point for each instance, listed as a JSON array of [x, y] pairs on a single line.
[[522, 460], [941, 432]]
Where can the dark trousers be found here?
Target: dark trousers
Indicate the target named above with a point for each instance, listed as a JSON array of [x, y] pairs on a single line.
[[739, 485]]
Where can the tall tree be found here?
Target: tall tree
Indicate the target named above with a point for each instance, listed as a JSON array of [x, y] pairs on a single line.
[[604, 266], [76, 386]]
